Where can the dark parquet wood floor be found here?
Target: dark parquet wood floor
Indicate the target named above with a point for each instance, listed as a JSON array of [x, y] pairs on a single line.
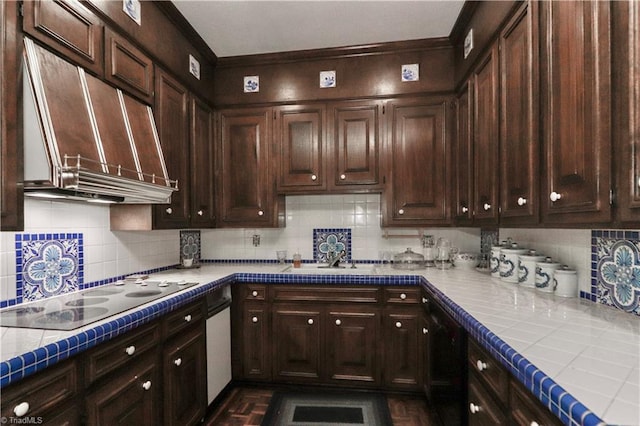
[[246, 406]]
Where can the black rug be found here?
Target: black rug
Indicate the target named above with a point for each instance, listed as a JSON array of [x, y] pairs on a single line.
[[327, 408]]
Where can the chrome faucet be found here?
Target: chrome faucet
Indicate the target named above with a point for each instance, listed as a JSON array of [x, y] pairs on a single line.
[[334, 258]]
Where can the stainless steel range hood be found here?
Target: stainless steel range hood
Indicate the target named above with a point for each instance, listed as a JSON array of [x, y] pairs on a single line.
[[86, 140]]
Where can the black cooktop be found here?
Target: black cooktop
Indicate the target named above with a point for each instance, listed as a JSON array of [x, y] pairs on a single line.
[[73, 310]]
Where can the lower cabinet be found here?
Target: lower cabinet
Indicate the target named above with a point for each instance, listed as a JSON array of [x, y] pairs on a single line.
[[297, 347], [402, 349]]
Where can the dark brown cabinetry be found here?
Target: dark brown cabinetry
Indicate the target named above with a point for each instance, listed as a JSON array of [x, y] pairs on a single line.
[[185, 128], [463, 157], [575, 82], [417, 163], [403, 351], [519, 141], [127, 67], [246, 183], [11, 156], [485, 82], [297, 349], [69, 28]]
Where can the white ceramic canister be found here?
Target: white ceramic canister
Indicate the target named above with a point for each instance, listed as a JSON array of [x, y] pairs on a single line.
[[566, 282], [494, 261], [544, 275], [510, 262], [527, 269]]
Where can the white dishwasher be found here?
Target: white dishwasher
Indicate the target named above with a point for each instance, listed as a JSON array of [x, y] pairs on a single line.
[[218, 341]]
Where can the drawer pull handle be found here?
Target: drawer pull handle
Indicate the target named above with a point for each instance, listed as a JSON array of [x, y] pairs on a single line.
[[130, 350], [425, 300], [464, 209], [403, 296], [177, 362], [486, 207], [200, 212], [21, 409], [522, 201], [401, 211], [169, 210], [534, 423], [343, 176], [187, 318], [398, 324], [260, 213], [425, 330], [310, 321], [254, 293], [338, 322], [254, 319], [314, 177], [554, 196], [481, 365], [146, 385], [474, 408]]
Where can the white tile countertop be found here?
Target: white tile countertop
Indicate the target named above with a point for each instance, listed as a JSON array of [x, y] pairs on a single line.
[[591, 351]]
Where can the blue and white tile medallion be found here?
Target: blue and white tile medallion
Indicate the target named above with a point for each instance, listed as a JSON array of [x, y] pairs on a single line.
[[190, 246], [615, 277], [327, 240], [48, 265], [488, 238]]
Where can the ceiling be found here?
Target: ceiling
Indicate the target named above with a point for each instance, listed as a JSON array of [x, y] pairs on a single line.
[[240, 27]]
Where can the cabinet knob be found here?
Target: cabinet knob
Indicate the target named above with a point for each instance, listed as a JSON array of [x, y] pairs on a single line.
[[187, 318], [130, 350], [314, 177], [398, 324], [403, 296], [254, 293], [425, 330], [310, 321], [343, 176], [522, 201], [464, 209], [534, 423], [486, 207], [177, 362], [254, 319], [554, 196], [169, 210], [200, 212], [481, 365], [338, 322], [425, 300], [21, 409], [474, 408], [401, 211], [260, 213], [146, 385]]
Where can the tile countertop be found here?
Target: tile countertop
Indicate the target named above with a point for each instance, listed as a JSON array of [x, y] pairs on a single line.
[[563, 349]]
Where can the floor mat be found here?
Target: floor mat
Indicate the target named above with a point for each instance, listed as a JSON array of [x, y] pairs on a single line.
[[327, 408]]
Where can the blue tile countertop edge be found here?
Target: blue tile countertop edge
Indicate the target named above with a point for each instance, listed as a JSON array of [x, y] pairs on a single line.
[[567, 408]]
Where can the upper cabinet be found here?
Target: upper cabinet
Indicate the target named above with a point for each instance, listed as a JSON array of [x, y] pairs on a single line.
[[463, 156], [69, 28], [246, 181], [519, 141], [576, 111], [417, 163]]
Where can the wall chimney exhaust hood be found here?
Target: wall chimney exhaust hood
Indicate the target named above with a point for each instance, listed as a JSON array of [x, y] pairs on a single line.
[[86, 140]]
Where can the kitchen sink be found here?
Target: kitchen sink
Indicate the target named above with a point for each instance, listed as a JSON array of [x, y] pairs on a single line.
[[316, 269]]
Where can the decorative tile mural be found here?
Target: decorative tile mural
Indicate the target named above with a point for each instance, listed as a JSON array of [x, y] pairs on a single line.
[[190, 246], [615, 269], [48, 265], [327, 240], [488, 237]]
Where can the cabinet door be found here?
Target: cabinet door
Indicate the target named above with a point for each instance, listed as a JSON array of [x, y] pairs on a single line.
[[185, 378], [297, 348], [402, 349], [300, 137], [255, 351], [463, 157], [202, 166], [172, 119], [485, 139], [352, 338], [519, 144], [129, 397], [484, 410], [69, 28], [246, 183], [355, 145], [626, 115], [127, 67], [576, 97], [418, 163], [11, 155]]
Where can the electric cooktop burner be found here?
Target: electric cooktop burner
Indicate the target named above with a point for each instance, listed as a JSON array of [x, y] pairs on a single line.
[[73, 310]]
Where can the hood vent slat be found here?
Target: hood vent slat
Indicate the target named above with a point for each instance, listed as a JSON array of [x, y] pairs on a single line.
[[97, 140]]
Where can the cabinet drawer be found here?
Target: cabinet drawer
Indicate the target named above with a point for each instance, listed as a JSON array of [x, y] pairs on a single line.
[[254, 292], [107, 357], [526, 410], [42, 392], [325, 294], [489, 371], [402, 295], [483, 408], [183, 318]]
